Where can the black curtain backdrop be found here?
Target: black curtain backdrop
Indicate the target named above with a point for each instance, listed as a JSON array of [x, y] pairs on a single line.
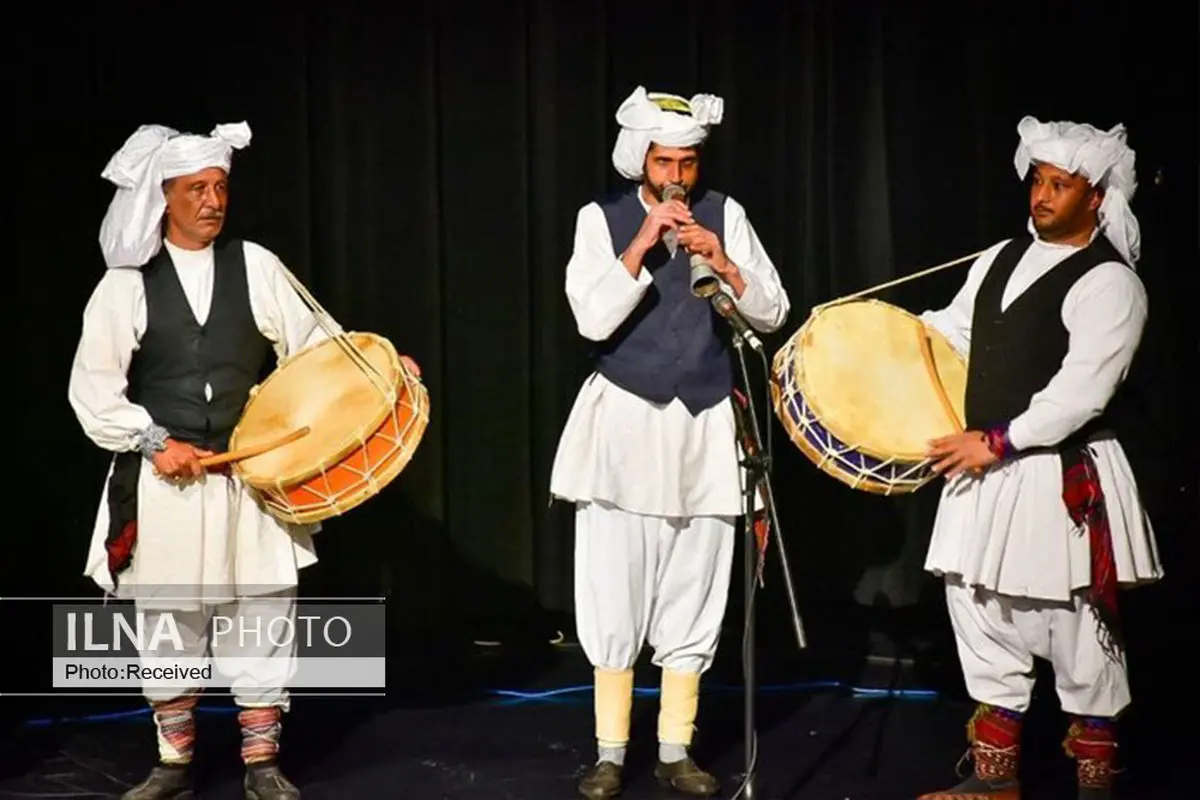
[[419, 167]]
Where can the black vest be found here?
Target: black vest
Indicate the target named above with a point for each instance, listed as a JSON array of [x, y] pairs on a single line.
[[177, 356], [673, 344], [1016, 352]]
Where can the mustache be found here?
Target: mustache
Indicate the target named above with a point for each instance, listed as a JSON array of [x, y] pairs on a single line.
[[212, 214]]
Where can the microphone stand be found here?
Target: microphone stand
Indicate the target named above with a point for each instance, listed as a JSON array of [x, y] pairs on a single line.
[[757, 465]]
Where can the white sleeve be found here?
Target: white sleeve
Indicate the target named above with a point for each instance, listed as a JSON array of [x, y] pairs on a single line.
[[764, 303], [600, 290], [954, 321], [99, 380], [1104, 313], [282, 315]]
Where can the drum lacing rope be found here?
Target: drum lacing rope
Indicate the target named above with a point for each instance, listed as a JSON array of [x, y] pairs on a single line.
[[399, 447], [913, 475], [336, 333], [831, 453]]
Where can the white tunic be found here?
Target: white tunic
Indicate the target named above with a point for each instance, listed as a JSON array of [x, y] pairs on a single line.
[[643, 457], [208, 536], [1009, 531]]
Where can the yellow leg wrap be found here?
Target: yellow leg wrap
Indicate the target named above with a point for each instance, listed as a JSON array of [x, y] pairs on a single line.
[[614, 705], [677, 707]]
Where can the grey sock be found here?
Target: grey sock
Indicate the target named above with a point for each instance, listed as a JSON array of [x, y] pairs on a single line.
[[671, 753], [610, 753]]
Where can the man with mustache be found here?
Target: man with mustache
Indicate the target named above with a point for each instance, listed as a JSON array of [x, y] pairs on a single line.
[[1040, 522], [649, 453], [178, 331]]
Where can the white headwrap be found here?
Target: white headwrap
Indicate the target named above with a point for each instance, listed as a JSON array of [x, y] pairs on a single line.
[[1101, 157], [131, 231], [665, 119]]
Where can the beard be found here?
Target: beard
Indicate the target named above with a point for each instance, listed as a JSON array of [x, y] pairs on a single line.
[[1064, 224], [1054, 224]]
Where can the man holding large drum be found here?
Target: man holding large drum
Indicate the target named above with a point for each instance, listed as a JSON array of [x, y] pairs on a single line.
[[1040, 522], [175, 335]]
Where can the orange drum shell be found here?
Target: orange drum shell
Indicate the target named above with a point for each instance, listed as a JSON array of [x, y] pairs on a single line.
[[356, 470], [362, 473]]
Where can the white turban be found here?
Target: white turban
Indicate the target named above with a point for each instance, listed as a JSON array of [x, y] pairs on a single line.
[[1101, 157], [131, 232], [665, 119]]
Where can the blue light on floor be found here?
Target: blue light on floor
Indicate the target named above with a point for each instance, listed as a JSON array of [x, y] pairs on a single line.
[[548, 695]]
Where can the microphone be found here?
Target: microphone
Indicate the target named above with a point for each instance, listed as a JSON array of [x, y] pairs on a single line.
[[724, 306], [704, 280]]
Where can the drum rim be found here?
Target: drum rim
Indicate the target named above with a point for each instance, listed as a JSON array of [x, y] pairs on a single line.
[[908, 458], [865, 482], [310, 472], [830, 466], [833, 467], [275, 498]]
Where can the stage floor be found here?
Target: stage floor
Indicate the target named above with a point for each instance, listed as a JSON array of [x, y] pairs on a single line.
[[486, 723]]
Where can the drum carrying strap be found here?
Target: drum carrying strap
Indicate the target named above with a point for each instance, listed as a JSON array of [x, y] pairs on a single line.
[[759, 519]]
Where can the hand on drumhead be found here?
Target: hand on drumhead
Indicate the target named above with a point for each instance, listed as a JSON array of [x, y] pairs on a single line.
[[962, 452], [411, 365], [180, 461]]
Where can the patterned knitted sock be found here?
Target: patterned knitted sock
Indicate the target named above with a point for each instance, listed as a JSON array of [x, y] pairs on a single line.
[[1092, 742], [175, 721], [260, 734], [995, 736]]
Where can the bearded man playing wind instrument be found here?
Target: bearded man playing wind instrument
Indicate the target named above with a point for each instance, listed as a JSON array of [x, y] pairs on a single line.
[[649, 454]]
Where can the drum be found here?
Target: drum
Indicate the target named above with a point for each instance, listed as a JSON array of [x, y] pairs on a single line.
[[351, 416], [861, 389]]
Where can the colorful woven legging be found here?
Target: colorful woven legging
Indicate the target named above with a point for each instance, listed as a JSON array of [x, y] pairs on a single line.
[[260, 733], [176, 724]]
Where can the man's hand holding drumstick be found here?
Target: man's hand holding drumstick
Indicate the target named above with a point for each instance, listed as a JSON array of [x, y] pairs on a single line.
[[179, 461]]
